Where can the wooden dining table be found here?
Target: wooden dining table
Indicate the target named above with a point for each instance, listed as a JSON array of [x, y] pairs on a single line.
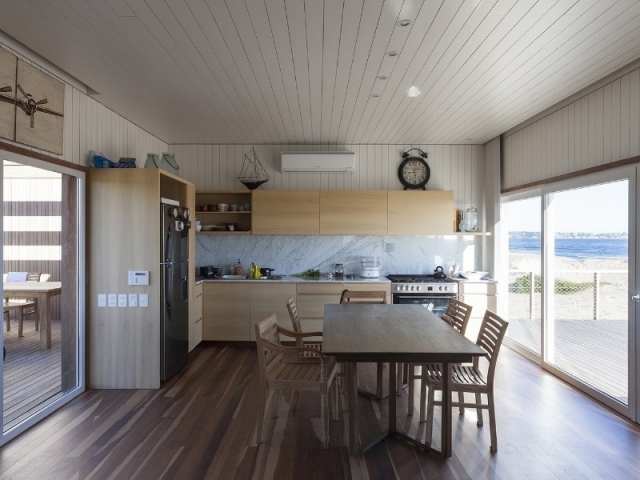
[[43, 292], [394, 334]]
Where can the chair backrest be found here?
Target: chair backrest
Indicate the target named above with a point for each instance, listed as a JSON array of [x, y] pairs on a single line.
[[458, 314], [44, 277], [295, 320], [357, 297], [267, 330], [33, 277], [490, 338]]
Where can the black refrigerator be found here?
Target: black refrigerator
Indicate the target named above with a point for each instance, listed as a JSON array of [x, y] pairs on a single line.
[[174, 288]]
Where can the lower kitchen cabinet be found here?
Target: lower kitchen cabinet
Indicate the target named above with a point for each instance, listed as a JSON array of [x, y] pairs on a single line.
[[227, 311], [268, 298], [195, 324], [481, 296], [310, 301]]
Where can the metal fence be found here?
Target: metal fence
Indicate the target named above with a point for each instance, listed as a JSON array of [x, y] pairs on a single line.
[[578, 295]]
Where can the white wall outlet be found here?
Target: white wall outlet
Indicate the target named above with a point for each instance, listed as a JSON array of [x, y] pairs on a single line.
[[144, 300], [122, 299], [133, 299], [113, 300], [102, 299], [138, 277]]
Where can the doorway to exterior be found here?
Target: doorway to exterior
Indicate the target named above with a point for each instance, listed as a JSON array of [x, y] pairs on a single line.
[[571, 279], [43, 317]]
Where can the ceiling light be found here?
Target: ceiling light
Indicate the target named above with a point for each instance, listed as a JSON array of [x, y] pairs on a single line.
[[381, 77], [375, 95], [413, 91], [404, 23], [392, 53]]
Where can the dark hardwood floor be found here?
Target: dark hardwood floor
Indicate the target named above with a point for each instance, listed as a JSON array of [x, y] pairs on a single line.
[[202, 424]]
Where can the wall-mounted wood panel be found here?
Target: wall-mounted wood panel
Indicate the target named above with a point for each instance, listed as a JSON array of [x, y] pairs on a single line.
[[416, 212], [348, 212], [601, 127], [286, 212]]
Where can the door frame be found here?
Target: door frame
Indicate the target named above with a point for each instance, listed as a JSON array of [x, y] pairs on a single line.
[[632, 174], [66, 397]]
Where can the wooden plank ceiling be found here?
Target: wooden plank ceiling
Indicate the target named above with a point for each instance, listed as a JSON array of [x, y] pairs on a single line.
[[320, 71]]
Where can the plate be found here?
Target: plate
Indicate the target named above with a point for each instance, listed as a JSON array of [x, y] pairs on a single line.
[[473, 275]]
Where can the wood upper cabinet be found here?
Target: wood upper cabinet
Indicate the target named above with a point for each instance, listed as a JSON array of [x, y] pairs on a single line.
[[353, 212], [286, 212], [419, 212]]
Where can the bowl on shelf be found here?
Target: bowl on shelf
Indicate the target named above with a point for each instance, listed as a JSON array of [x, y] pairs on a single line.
[[473, 275], [232, 226]]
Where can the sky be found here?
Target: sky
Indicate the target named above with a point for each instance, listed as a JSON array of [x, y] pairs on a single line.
[[595, 209]]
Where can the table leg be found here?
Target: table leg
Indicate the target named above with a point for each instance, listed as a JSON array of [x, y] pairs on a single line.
[[352, 396], [392, 397], [44, 318], [446, 410]]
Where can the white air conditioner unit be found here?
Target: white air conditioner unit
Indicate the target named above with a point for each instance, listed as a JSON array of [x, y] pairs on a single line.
[[321, 162]]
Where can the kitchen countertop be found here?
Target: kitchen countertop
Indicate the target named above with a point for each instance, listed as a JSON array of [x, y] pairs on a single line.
[[466, 280], [293, 279]]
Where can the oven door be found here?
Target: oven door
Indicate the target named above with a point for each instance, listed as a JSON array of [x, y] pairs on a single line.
[[437, 304]]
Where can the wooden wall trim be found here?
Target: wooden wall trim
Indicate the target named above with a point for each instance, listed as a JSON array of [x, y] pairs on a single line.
[[40, 156], [579, 173]]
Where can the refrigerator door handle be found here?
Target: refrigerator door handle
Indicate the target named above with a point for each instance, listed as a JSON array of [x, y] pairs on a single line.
[[168, 288]]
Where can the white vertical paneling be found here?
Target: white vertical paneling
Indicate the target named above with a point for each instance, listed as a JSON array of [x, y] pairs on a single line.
[[624, 116], [606, 118], [634, 113]]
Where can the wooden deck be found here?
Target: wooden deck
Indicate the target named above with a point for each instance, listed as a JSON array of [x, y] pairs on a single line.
[[32, 376], [202, 424], [594, 351]]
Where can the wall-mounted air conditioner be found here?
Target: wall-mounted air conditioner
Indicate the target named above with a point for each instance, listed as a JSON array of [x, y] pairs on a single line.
[[322, 162]]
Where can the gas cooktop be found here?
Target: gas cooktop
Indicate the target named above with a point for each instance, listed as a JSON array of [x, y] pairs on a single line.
[[418, 279]]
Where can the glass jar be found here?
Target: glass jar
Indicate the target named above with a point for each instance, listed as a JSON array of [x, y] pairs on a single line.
[[339, 270], [469, 220]]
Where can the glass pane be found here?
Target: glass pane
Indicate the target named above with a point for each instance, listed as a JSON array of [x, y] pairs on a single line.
[[39, 219], [587, 323], [522, 219]]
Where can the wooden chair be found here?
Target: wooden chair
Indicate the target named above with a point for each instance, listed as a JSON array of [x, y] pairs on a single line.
[[280, 375], [469, 378], [377, 297], [305, 355], [457, 315], [23, 307], [7, 319]]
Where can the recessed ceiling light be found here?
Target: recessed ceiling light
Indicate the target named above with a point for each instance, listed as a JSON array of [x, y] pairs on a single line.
[[413, 91], [404, 23], [392, 53], [381, 77], [375, 95]]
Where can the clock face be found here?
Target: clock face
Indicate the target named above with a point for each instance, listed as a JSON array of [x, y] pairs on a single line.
[[414, 172]]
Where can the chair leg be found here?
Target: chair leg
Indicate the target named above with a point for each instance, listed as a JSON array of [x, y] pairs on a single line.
[[324, 404], [479, 410], [492, 422], [336, 400], [276, 402], [461, 400], [423, 394], [35, 309], [261, 409], [20, 322], [429, 427], [411, 389], [7, 318]]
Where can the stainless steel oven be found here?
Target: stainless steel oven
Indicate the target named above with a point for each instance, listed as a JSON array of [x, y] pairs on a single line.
[[433, 293]]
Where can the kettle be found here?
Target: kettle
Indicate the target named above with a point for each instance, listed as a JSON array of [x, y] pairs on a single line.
[[438, 273]]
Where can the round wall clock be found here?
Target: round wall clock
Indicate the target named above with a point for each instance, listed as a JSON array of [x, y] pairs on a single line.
[[414, 172]]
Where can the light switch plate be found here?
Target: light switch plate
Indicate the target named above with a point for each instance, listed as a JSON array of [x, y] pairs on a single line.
[[144, 300], [102, 299], [133, 299], [122, 299], [113, 300]]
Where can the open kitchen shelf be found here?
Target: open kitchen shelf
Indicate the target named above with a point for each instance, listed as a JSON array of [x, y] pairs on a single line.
[[230, 197]]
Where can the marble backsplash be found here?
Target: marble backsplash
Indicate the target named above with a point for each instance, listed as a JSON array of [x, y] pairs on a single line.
[[291, 254]]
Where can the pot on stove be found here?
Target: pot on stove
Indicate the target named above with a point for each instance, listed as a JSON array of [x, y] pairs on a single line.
[[439, 273]]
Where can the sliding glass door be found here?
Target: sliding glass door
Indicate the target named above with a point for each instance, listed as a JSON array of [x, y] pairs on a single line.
[[571, 278], [43, 261]]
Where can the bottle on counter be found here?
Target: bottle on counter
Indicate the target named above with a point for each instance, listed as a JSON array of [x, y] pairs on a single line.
[[239, 269]]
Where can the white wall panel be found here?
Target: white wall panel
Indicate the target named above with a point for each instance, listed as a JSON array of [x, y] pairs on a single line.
[[89, 125], [601, 127], [453, 167]]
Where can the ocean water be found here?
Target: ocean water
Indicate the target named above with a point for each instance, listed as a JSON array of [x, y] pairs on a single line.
[[577, 248]]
